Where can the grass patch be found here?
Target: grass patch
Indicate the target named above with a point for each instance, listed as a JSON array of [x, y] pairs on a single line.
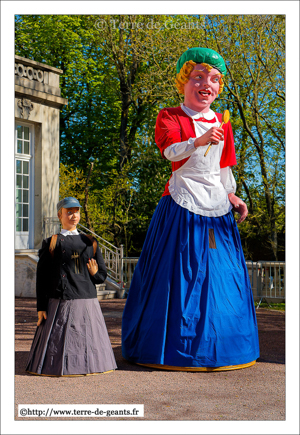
[[271, 306]]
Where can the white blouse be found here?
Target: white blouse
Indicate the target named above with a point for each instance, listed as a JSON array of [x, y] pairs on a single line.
[[200, 185], [69, 233]]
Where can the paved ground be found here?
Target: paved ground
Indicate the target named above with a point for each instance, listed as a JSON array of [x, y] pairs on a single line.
[[256, 393]]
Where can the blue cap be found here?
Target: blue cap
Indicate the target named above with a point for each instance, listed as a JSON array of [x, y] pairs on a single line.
[[68, 202]]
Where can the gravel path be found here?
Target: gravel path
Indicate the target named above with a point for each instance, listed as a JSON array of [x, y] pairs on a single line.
[[253, 394]]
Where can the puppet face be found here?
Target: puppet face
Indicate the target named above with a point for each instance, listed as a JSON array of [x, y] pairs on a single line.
[[69, 218], [202, 88]]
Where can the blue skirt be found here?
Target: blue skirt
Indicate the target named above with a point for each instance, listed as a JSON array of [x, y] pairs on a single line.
[[190, 303]]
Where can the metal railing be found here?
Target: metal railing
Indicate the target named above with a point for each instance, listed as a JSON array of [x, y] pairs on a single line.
[[129, 264], [267, 278], [113, 256]]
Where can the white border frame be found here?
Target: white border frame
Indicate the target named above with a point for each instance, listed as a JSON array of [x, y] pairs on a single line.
[[291, 10]]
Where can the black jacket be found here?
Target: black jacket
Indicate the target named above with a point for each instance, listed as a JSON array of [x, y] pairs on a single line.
[[66, 276]]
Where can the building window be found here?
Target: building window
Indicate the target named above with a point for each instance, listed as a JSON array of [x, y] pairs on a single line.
[[23, 185]]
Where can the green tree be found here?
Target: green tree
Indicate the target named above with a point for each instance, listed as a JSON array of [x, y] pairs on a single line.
[[118, 76], [253, 47]]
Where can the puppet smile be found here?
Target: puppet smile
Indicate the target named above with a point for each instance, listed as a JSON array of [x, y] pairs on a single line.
[[204, 93]]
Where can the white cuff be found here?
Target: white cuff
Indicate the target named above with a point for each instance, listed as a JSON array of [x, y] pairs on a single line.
[[180, 150]]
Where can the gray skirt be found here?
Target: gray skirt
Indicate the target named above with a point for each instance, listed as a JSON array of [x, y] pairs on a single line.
[[73, 340]]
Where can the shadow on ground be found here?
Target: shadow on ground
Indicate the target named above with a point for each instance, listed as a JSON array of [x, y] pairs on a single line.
[[271, 325]]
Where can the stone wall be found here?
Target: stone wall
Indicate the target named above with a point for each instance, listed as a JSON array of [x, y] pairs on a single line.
[[38, 102], [25, 275]]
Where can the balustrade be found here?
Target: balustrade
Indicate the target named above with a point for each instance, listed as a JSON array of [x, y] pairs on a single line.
[[267, 278]]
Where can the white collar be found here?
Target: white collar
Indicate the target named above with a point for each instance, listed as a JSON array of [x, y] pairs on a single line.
[[69, 233], [193, 114]]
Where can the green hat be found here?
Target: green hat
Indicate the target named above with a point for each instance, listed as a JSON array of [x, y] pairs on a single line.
[[202, 55]]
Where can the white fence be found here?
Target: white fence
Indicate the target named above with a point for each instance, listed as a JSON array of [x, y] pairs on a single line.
[[129, 264], [267, 280]]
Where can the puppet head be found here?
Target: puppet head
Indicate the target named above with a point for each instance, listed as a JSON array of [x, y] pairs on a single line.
[[68, 212], [198, 55]]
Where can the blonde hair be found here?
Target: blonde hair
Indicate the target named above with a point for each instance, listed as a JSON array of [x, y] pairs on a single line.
[[184, 75]]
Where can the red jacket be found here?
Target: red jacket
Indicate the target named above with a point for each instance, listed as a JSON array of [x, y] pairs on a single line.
[[174, 125]]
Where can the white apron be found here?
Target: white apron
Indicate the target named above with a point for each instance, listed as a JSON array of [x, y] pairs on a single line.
[[197, 185]]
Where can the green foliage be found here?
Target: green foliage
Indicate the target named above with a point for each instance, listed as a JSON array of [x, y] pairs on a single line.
[[119, 72], [72, 183], [253, 46]]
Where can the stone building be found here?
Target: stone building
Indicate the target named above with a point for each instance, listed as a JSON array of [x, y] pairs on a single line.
[[37, 109]]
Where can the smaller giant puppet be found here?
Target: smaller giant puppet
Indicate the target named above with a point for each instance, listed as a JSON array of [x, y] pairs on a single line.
[[71, 338], [190, 304]]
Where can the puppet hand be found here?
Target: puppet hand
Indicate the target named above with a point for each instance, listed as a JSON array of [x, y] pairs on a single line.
[[213, 135], [92, 266], [238, 206], [41, 316]]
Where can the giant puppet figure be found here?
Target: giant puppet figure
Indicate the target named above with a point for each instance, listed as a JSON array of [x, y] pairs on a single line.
[[190, 304]]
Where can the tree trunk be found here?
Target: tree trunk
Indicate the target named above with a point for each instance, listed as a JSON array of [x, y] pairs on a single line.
[[86, 198]]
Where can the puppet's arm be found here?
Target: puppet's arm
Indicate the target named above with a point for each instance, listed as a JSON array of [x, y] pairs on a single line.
[[97, 268], [180, 150], [44, 273], [228, 181], [239, 206], [168, 138]]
